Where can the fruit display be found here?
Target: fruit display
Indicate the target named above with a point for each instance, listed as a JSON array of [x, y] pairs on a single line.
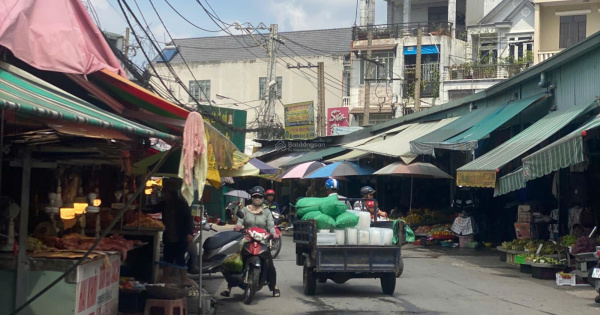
[[412, 219], [565, 275], [35, 245], [424, 216], [584, 245], [443, 234], [423, 229], [568, 240], [531, 246]]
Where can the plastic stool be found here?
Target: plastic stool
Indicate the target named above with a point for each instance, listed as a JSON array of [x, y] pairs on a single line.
[[166, 307]]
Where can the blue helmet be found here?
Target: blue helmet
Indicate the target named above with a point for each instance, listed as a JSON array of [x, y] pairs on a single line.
[[332, 184]]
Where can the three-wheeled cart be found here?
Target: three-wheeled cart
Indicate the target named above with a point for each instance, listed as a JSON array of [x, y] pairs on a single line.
[[341, 263]]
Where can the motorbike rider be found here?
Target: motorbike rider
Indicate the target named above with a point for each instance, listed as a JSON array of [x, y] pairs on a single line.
[[332, 186], [367, 192], [257, 215], [270, 202]]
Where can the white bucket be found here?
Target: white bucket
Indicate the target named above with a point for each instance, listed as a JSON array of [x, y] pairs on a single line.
[[351, 236]]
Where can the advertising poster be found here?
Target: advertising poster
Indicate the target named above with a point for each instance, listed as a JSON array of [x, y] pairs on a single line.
[[299, 120], [337, 117]]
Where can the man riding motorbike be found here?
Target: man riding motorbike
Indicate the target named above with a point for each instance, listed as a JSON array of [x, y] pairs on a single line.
[[270, 202], [256, 215], [332, 186], [371, 205]]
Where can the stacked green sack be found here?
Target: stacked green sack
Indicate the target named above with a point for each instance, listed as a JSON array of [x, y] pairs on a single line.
[[329, 212]]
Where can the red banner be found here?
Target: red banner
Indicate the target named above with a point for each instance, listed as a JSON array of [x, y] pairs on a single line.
[[337, 117]]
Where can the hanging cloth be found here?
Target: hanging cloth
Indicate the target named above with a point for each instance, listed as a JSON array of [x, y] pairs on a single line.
[[194, 161]]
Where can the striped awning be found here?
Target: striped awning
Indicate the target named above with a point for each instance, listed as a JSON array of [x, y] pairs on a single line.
[[35, 98], [562, 153], [510, 182], [482, 171]]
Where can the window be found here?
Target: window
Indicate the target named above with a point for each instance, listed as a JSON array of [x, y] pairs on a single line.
[[381, 71], [572, 30], [200, 90], [437, 14], [262, 83]]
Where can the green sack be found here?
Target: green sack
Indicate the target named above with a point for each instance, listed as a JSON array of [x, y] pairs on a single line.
[[233, 263], [333, 207], [300, 212], [409, 235], [324, 221], [309, 201], [346, 219], [311, 215]]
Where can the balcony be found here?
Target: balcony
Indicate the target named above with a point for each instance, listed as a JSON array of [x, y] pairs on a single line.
[[346, 101], [430, 80], [400, 30], [544, 55], [493, 71]]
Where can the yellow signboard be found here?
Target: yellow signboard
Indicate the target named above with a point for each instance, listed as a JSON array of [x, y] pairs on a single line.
[[299, 114], [300, 132], [476, 178]]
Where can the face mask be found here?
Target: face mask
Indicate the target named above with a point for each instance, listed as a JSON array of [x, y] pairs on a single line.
[[257, 201]]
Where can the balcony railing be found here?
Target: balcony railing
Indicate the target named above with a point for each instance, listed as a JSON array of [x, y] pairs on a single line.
[[494, 71], [403, 30], [544, 55], [346, 101], [430, 80]]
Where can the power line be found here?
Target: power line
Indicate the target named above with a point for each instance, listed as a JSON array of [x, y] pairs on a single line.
[[183, 17]]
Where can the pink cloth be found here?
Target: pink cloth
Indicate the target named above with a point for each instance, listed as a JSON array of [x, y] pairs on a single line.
[[193, 143], [55, 35]]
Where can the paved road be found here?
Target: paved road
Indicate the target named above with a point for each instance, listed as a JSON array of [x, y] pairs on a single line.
[[432, 283]]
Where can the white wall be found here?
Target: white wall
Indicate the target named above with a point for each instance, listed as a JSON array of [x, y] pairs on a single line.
[[239, 80]]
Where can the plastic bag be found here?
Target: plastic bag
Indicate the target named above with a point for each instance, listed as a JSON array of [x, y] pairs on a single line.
[[311, 215], [409, 235], [324, 221], [300, 212], [333, 207], [346, 219], [233, 263], [309, 201]]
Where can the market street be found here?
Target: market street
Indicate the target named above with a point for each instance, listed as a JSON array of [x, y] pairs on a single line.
[[432, 283]]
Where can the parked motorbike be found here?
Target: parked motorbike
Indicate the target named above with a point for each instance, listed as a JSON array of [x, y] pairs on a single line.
[[594, 276], [216, 249], [255, 264], [275, 244]]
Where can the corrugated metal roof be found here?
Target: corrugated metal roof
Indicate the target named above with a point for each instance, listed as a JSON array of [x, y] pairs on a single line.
[[283, 159], [380, 136], [399, 145], [315, 156], [525, 140], [300, 43]]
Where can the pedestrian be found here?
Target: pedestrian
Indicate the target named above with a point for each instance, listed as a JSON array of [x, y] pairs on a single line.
[[178, 221]]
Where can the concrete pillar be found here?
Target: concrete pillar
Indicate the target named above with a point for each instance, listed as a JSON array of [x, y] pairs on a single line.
[[536, 34], [390, 12], [452, 16], [367, 12], [407, 12]]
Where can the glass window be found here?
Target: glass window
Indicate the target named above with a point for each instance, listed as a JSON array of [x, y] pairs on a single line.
[[382, 67], [572, 30], [200, 90], [262, 83]]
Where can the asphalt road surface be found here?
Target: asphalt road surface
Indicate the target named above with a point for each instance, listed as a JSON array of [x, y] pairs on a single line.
[[452, 282]]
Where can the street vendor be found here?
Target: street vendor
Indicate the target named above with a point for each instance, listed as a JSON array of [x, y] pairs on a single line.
[[370, 204], [177, 218]]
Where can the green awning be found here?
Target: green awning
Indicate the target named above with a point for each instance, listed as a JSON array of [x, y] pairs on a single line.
[[482, 171], [427, 143], [45, 101], [562, 153], [315, 156], [510, 182], [469, 139]]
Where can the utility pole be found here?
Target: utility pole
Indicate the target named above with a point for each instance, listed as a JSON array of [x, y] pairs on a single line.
[[418, 70], [126, 44], [368, 76], [321, 119]]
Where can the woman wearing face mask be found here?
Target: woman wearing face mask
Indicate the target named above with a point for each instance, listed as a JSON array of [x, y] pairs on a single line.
[[256, 215]]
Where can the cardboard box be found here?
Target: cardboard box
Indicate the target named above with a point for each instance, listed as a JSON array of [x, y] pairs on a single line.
[[523, 231]]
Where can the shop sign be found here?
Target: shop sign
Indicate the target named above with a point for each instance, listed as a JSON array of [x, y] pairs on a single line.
[[299, 120], [98, 287], [476, 178], [337, 117]]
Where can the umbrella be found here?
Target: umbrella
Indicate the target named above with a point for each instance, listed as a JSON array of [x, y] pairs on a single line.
[[341, 169], [239, 194], [418, 169], [263, 167], [301, 170]]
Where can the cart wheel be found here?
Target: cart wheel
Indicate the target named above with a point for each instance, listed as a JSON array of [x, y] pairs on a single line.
[[388, 283], [400, 268], [309, 280]]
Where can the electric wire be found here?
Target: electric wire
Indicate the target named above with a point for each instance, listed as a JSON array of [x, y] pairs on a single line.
[[189, 22]]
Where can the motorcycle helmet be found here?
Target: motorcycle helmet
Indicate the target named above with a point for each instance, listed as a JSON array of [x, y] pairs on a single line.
[[366, 190], [270, 192], [332, 184], [257, 190]]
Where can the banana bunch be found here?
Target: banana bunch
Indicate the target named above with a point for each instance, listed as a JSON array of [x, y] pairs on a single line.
[[35, 245]]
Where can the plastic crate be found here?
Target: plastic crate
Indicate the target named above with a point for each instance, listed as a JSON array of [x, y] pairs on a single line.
[[544, 273], [562, 281]]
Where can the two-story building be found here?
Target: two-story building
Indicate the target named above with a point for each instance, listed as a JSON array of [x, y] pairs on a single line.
[[561, 24]]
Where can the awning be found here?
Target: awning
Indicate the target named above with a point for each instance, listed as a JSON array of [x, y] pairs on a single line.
[[372, 110], [278, 162], [45, 101], [363, 46], [427, 143], [482, 171], [350, 156], [380, 136], [315, 156], [425, 50], [510, 182], [562, 153], [399, 145], [481, 124]]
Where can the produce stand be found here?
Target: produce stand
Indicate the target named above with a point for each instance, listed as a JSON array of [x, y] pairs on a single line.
[[148, 258], [92, 288], [583, 262]]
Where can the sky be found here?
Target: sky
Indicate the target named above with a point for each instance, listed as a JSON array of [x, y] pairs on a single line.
[[290, 15]]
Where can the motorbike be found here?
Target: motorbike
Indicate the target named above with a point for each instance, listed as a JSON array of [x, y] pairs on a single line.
[[253, 275], [594, 277], [216, 249], [275, 244]]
